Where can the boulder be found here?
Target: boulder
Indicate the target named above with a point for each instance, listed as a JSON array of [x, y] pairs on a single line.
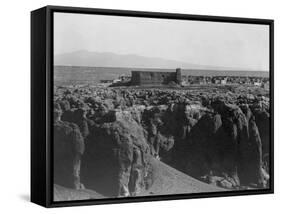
[[68, 149], [123, 143], [251, 167]]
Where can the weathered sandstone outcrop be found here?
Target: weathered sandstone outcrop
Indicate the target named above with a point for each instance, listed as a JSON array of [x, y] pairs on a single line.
[[217, 136]]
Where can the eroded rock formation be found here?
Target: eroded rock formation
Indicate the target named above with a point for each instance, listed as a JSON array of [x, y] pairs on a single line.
[[216, 136]]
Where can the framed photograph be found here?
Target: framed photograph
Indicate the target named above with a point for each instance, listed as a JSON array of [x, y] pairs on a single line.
[[132, 106]]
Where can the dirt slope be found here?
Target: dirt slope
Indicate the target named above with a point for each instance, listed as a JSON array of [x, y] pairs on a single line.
[[167, 180], [67, 194]]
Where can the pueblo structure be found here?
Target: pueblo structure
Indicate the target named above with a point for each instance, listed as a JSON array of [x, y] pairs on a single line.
[[155, 78]]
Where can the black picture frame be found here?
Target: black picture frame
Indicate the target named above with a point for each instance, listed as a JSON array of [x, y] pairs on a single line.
[[42, 98]]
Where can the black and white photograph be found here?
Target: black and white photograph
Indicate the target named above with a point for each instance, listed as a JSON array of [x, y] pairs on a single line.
[[146, 107]]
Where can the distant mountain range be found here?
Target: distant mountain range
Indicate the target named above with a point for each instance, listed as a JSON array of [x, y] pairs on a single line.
[[107, 59]]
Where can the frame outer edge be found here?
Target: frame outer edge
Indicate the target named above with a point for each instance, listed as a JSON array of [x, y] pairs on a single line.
[[38, 109], [48, 69]]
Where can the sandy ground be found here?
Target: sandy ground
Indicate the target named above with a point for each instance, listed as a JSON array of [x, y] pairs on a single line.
[[66, 194], [168, 180]]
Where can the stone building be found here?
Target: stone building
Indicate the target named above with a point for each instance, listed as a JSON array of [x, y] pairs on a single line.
[[155, 78]]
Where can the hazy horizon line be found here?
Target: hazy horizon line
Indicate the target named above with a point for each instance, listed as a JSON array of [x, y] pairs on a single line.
[[174, 68]]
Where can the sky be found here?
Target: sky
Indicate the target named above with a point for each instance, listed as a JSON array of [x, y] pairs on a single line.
[[242, 46]]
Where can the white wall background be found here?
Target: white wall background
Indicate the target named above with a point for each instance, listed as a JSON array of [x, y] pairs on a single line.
[[15, 107]]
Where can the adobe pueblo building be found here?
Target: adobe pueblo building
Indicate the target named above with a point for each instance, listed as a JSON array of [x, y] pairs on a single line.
[[155, 78]]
